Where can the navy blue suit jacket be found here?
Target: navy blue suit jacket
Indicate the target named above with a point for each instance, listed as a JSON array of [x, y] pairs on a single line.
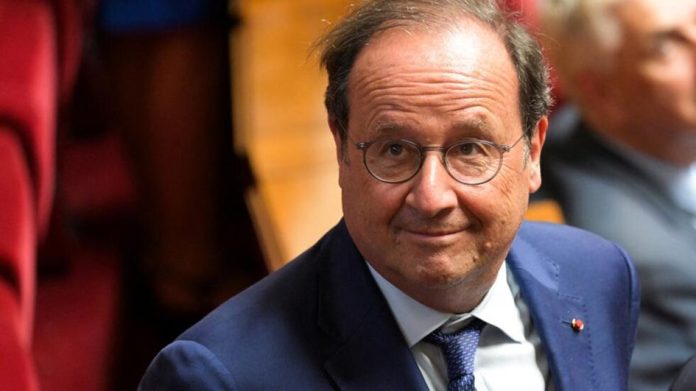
[[321, 322]]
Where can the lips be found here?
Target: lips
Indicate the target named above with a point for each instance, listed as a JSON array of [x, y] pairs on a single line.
[[433, 230], [430, 236], [434, 233]]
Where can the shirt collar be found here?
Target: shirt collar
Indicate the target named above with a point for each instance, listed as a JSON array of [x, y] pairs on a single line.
[[416, 320]]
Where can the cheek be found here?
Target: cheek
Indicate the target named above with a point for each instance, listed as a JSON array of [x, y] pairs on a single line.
[[367, 202], [664, 84], [672, 102], [505, 201]]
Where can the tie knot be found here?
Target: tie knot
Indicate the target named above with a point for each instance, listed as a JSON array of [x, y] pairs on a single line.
[[459, 349]]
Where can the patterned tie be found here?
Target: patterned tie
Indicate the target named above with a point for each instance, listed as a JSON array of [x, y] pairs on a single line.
[[459, 349]]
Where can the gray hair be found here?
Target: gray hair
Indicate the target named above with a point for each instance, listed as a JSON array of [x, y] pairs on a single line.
[[342, 44], [580, 34]]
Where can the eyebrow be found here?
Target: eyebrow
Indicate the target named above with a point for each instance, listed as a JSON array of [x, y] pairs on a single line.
[[477, 128], [671, 33], [389, 127]]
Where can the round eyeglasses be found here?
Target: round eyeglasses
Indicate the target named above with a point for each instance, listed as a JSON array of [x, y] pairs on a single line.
[[469, 161]]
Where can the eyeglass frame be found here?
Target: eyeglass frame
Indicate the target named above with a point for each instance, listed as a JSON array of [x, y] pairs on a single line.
[[502, 149]]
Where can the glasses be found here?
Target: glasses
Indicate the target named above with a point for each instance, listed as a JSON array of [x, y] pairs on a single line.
[[470, 161]]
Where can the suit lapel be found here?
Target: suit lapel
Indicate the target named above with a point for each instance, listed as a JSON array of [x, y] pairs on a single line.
[[569, 352], [365, 348]]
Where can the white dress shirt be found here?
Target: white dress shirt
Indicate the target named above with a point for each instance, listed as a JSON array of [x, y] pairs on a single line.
[[509, 356]]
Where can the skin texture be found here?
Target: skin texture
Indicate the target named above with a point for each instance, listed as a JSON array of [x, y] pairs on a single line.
[[647, 98], [439, 241]]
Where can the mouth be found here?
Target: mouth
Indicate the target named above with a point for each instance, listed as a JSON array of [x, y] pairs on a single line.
[[431, 235], [431, 232]]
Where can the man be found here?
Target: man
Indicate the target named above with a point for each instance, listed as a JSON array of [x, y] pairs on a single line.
[[628, 169], [438, 112]]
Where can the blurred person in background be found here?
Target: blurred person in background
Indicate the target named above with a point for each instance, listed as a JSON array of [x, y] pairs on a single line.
[[627, 168]]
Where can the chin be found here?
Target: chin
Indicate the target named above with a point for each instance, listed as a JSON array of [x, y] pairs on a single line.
[[445, 272]]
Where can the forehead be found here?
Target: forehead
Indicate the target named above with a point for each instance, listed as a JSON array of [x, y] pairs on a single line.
[[443, 68], [652, 16]]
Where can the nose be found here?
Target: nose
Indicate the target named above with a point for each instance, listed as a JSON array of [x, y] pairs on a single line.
[[432, 191]]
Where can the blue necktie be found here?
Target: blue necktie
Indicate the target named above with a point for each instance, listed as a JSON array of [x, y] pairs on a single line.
[[459, 349]]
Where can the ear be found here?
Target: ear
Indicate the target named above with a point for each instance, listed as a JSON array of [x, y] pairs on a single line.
[[535, 146]]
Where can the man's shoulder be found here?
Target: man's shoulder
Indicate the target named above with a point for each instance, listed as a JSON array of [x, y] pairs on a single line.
[[555, 234], [565, 245], [581, 262]]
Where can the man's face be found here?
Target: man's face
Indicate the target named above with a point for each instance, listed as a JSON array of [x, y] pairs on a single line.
[[655, 74], [433, 236]]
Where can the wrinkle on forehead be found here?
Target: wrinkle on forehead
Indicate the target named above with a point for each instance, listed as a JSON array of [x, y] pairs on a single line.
[[445, 70], [429, 83], [442, 97]]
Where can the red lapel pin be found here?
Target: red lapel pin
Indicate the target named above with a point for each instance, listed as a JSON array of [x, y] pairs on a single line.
[[577, 324]]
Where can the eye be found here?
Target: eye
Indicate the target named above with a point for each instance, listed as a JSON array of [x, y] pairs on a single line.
[[468, 149], [663, 47], [667, 43], [395, 149]]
